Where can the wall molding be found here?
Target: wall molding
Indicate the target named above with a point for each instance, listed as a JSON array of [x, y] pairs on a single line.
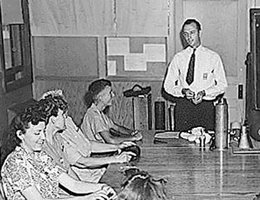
[[135, 79], [67, 78]]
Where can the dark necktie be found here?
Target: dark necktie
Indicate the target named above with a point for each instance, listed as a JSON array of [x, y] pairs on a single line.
[[190, 72]]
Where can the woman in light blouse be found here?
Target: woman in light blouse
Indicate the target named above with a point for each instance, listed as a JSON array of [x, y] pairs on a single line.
[[96, 124]]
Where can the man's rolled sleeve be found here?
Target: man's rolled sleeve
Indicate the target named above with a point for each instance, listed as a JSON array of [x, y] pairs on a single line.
[[172, 83]]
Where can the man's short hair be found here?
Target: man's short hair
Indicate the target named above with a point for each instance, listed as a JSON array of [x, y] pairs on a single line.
[[94, 89], [190, 21]]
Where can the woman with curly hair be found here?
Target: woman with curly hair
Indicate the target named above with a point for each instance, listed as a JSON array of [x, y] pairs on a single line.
[[71, 149], [29, 173]]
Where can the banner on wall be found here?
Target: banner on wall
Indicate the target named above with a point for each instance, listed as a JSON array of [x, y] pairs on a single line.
[[136, 56]]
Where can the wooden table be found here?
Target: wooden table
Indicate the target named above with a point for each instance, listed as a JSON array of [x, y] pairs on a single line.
[[193, 174]]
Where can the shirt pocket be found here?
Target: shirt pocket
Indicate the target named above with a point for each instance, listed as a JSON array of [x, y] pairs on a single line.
[[207, 73]]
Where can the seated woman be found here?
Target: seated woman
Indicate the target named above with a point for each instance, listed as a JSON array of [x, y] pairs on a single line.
[[97, 125], [29, 173], [70, 148], [139, 185]]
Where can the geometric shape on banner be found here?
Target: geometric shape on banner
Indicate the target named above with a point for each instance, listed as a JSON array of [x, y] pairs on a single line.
[[111, 67], [117, 46]]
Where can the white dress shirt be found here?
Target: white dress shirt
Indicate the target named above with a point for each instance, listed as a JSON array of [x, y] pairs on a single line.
[[209, 74]]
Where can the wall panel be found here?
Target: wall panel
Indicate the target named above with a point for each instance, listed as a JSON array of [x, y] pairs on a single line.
[[142, 17], [65, 56], [70, 18]]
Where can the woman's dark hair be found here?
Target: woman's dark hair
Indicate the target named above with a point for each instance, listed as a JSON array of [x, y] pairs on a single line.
[[140, 185], [94, 89], [32, 114], [189, 21], [51, 104]]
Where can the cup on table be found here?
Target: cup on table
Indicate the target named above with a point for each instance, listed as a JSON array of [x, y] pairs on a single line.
[[235, 130]]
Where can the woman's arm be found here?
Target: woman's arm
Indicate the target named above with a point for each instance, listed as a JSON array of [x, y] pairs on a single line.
[[31, 193], [90, 162], [122, 130], [78, 187], [111, 139], [133, 135], [98, 147]]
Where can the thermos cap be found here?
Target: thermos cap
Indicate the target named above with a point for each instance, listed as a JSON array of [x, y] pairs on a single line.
[[235, 125], [222, 101]]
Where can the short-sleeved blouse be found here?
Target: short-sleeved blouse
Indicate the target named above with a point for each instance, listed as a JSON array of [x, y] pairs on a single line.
[[22, 170], [94, 122]]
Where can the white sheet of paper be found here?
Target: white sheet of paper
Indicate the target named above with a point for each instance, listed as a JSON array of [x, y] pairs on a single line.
[[117, 46], [155, 52], [135, 62], [111, 67], [167, 134]]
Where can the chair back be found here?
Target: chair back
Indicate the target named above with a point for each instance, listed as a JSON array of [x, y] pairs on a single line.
[[2, 196]]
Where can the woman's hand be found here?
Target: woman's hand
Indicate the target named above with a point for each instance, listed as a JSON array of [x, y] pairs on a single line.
[[124, 157], [125, 144], [106, 193], [101, 195], [138, 136]]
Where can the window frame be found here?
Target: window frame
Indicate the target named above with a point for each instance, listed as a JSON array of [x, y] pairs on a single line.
[[17, 76]]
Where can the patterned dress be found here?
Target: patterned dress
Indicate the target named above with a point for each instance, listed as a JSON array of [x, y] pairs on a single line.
[[22, 170]]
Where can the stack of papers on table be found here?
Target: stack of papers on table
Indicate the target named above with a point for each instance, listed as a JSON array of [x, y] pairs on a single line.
[[171, 138], [245, 151], [166, 135]]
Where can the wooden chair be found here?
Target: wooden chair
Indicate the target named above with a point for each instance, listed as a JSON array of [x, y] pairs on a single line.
[[2, 196]]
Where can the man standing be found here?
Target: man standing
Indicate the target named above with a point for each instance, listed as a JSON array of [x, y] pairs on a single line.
[[195, 77]]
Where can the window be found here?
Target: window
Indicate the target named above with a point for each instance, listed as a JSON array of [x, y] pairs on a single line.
[[15, 52]]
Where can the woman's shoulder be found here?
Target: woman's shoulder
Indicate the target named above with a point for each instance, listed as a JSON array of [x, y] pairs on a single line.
[[92, 112], [16, 154], [15, 159]]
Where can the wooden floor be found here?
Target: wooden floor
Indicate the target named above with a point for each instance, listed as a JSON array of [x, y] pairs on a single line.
[[193, 174]]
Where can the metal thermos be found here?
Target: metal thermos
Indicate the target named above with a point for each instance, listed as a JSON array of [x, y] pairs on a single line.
[[159, 107], [221, 125]]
